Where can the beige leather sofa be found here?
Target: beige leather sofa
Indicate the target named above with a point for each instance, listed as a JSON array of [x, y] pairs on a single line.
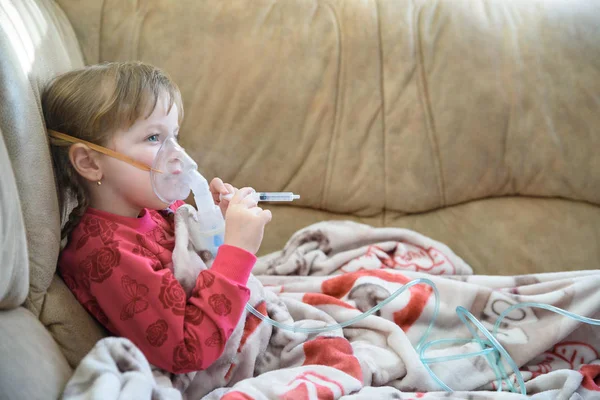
[[474, 122]]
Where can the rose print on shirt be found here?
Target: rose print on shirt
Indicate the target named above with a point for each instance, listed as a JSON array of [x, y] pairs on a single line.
[[136, 294], [194, 315], [148, 247], [205, 280], [216, 339], [156, 334], [162, 237], [172, 295], [95, 227], [99, 264], [220, 304], [187, 353], [166, 224], [142, 247]]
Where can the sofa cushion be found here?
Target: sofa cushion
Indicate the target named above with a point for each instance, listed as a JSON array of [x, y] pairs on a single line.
[[36, 43], [502, 236], [73, 328], [32, 366]]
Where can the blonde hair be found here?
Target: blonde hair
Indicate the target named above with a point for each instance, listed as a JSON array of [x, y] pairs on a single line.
[[92, 103]]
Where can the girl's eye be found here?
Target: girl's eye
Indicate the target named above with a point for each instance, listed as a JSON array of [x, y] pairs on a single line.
[[153, 138]]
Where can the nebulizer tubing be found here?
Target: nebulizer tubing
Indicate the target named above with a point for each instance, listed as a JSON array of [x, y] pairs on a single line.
[[174, 174], [364, 315], [564, 313], [491, 348]]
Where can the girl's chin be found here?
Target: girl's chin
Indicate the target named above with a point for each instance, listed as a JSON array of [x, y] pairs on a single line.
[[156, 204]]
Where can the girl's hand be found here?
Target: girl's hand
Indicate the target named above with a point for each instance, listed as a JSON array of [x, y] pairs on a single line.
[[245, 221], [218, 188]]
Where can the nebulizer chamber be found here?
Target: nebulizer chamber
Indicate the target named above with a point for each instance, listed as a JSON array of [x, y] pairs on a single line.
[[174, 173]]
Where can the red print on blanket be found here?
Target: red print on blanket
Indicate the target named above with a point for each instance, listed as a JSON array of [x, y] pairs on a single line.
[[416, 258], [312, 383], [252, 322], [236, 396], [565, 355], [334, 352], [404, 318], [319, 299], [413, 257], [591, 377]]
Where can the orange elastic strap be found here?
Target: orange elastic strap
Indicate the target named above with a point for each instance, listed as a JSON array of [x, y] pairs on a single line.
[[103, 150]]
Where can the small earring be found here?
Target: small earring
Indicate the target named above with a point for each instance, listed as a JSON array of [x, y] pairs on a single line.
[[99, 183]]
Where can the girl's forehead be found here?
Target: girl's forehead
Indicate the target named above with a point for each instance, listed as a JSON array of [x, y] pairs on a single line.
[[163, 110]]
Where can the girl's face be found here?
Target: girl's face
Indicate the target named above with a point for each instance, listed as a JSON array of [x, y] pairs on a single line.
[[129, 187]]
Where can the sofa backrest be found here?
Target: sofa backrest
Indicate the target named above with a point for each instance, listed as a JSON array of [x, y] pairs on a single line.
[[386, 106], [474, 122]]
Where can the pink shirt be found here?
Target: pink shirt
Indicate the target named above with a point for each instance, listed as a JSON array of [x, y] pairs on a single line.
[[120, 269]]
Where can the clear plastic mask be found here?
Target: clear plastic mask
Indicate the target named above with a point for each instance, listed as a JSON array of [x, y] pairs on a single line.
[[172, 172]]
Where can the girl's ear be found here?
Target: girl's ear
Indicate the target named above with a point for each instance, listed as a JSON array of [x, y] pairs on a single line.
[[85, 162]]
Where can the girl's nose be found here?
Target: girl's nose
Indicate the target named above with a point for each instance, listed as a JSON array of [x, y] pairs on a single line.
[[175, 166]]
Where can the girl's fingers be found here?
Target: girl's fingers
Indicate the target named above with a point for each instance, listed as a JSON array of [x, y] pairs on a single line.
[[228, 189], [256, 210], [266, 216], [227, 194], [240, 195], [216, 188], [251, 200]]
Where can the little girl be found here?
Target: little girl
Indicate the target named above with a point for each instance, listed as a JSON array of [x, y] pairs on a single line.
[[118, 258]]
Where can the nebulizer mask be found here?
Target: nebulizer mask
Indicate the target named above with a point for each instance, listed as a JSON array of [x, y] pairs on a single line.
[[173, 175]]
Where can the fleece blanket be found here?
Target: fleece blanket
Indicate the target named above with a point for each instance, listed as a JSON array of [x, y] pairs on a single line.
[[334, 271]]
